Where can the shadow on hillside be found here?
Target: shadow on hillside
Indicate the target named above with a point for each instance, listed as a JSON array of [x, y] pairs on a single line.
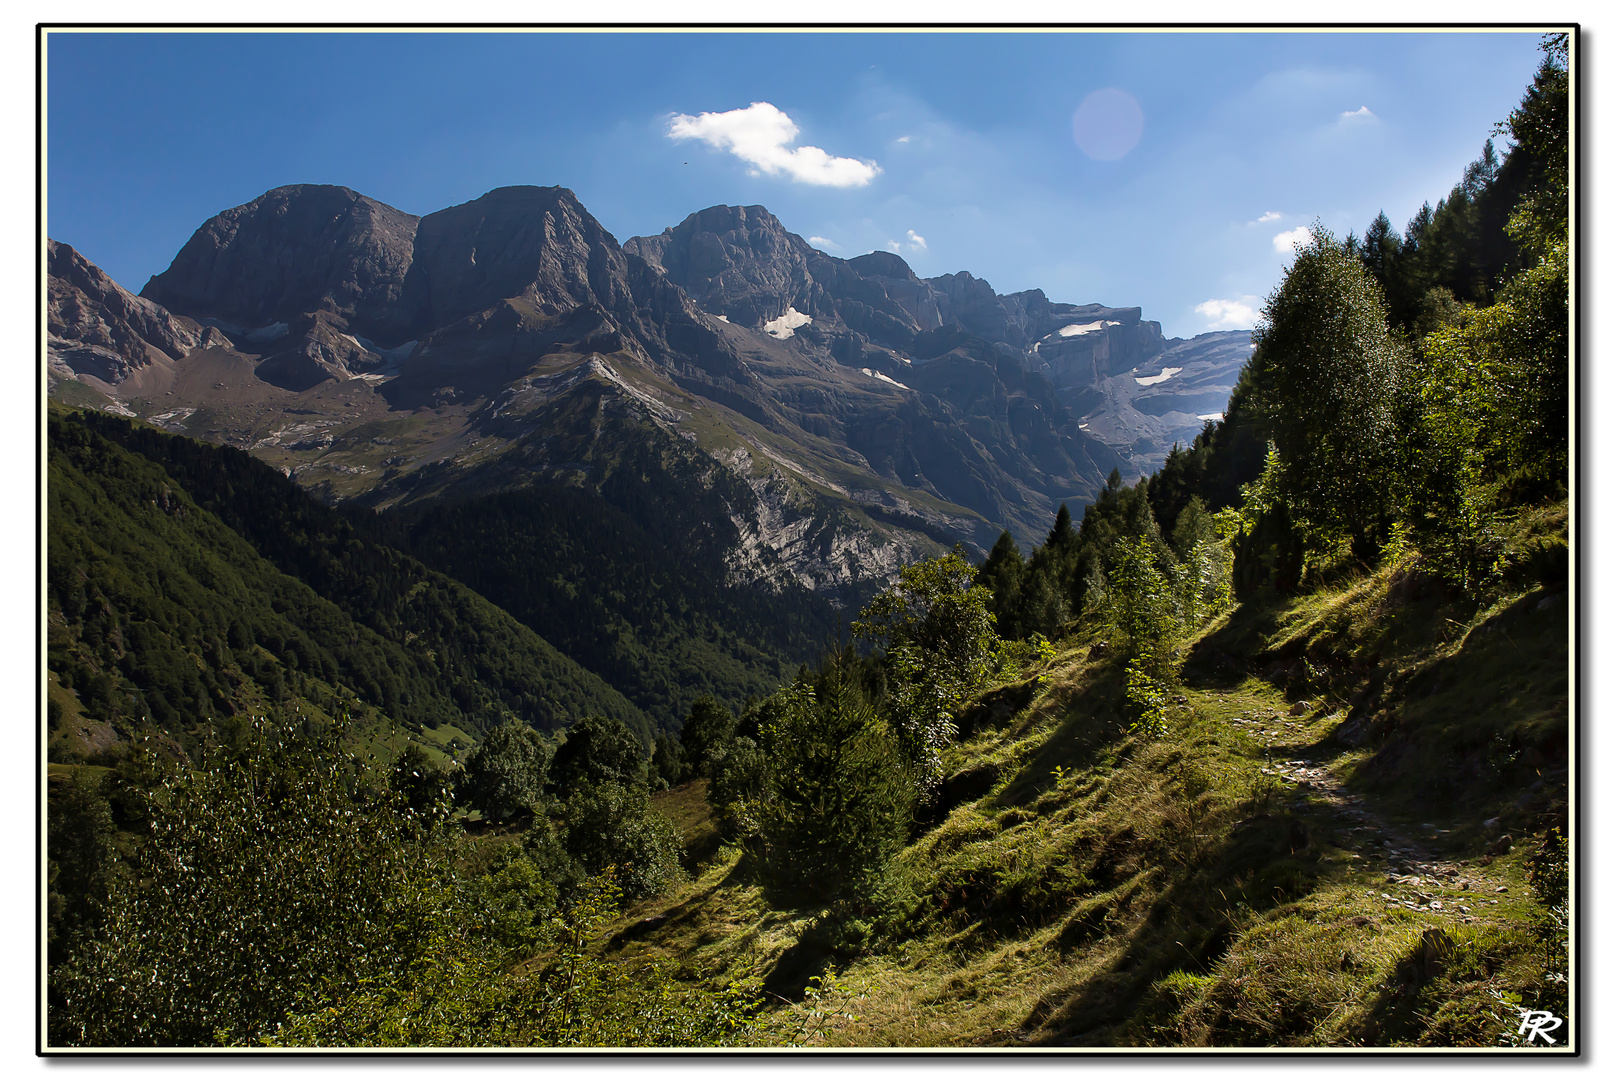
[[701, 850], [1220, 659], [1480, 732], [788, 980], [1092, 720], [1264, 861], [690, 914]]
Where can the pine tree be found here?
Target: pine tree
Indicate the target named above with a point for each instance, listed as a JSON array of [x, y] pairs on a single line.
[[1002, 572], [841, 798]]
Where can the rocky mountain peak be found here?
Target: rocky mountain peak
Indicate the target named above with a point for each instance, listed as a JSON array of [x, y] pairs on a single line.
[[881, 264], [536, 244], [295, 249], [98, 329], [735, 261]]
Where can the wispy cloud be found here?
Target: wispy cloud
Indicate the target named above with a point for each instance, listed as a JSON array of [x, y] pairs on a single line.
[[1272, 215], [1288, 241], [761, 135], [916, 242], [824, 244], [1358, 115], [905, 138], [1238, 314]]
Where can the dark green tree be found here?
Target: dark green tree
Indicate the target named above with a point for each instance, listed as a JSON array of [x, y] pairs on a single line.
[[1062, 535], [610, 825], [82, 857], [261, 881], [1331, 377], [421, 782], [1002, 572], [668, 761], [938, 637], [708, 726], [598, 750], [1380, 248], [840, 800], [505, 775]]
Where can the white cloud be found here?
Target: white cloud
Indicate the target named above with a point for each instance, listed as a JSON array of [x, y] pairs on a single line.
[[904, 138], [916, 241], [824, 244], [1288, 241], [1238, 314], [760, 135], [894, 246], [1358, 115], [1272, 215]]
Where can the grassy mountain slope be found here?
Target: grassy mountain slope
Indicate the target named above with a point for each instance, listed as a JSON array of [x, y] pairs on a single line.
[[189, 582], [1329, 846]]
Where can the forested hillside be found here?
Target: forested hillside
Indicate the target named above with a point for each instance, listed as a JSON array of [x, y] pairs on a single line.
[[632, 571], [190, 583]]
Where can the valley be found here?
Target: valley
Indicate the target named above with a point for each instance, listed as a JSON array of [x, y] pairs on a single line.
[[468, 631]]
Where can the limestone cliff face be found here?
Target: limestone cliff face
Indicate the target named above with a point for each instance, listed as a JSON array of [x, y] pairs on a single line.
[[738, 262], [1091, 343], [534, 244]]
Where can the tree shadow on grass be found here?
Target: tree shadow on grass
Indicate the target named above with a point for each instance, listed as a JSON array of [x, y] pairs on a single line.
[[788, 980], [1258, 865], [1222, 658], [1091, 722]]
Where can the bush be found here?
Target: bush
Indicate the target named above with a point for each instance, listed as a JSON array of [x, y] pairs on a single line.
[[505, 774], [598, 750], [938, 634], [609, 825], [275, 877], [461, 994], [739, 787]]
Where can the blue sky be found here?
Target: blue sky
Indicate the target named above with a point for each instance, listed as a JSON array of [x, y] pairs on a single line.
[[1156, 169]]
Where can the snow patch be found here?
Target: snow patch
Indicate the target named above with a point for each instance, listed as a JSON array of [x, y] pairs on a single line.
[[722, 318], [787, 324], [1152, 380], [883, 378], [175, 420], [1086, 328]]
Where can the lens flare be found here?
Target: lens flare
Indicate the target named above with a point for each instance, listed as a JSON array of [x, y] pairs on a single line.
[[1108, 124]]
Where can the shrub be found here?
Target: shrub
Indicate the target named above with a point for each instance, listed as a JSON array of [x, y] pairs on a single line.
[[609, 825], [274, 877]]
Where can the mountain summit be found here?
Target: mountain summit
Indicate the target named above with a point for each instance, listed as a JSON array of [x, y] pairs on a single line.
[[391, 359]]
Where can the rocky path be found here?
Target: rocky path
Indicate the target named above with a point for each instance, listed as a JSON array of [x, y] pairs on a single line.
[[1414, 876]]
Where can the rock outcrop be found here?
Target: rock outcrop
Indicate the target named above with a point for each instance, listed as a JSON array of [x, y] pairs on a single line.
[[99, 329], [533, 244]]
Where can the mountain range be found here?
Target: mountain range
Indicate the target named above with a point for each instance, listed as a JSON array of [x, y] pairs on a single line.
[[868, 415]]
